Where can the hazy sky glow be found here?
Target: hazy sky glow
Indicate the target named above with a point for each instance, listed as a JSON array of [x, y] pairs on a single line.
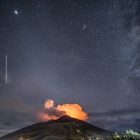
[[71, 51]]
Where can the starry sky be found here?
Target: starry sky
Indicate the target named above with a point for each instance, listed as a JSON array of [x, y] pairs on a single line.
[[71, 51]]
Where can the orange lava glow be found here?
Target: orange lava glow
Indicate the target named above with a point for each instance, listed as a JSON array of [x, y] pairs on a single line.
[[73, 110], [45, 117], [54, 112]]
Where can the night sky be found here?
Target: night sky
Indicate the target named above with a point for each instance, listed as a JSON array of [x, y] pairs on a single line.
[[71, 51]]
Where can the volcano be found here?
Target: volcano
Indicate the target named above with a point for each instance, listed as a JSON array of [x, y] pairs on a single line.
[[64, 128]]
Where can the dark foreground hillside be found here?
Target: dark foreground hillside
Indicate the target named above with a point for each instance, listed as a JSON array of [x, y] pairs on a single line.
[[65, 128]]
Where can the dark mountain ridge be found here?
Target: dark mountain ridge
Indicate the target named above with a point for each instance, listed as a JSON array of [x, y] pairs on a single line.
[[63, 128]]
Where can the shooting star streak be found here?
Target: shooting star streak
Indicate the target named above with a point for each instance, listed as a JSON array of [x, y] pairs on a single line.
[[6, 69]]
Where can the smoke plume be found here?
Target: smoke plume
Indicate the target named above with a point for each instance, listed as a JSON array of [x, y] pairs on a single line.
[[54, 112]]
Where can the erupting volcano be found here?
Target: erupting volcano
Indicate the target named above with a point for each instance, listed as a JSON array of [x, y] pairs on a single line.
[[63, 128], [54, 112], [64, 121]]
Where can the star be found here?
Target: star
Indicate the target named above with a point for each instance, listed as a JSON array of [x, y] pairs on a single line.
[[84, 27], [15, 12]]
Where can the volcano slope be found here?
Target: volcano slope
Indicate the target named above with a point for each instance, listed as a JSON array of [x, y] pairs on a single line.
[[64, 128]]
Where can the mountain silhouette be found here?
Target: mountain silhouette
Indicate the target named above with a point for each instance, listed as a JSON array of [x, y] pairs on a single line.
[[64, 128]]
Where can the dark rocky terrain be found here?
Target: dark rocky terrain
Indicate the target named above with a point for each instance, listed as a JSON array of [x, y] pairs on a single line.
[[65, 128]]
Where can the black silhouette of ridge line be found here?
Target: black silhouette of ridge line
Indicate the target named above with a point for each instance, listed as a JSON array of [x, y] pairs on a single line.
[[64, 126]]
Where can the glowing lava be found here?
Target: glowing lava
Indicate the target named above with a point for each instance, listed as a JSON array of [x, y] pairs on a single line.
[[54, 112]]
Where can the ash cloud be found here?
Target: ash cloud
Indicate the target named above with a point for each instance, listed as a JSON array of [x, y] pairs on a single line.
[[54, 112], [51, 112]]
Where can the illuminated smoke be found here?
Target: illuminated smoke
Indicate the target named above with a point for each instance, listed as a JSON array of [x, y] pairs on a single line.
[[49, 104], [54, 112]]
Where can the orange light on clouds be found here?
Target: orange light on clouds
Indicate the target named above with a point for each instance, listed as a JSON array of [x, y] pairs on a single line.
[[54, 112], [73, 110], [49, 104]]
